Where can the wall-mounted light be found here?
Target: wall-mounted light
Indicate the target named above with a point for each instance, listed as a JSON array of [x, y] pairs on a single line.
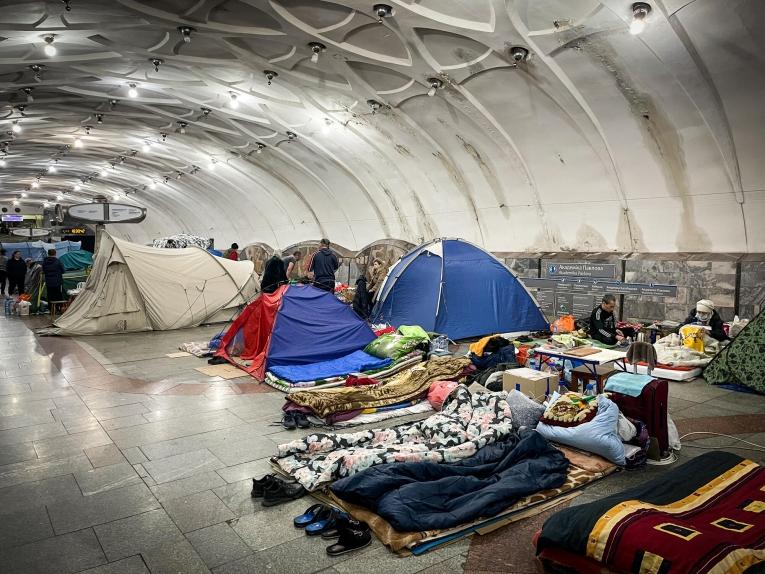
[[132, 91], [640, 11], [382, 11], [435, 84], [270, 75], [50, 49], [317, 48], [186, 33], [156, 62]]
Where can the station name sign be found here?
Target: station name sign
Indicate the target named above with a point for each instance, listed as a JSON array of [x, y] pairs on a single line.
[[106, 213], [594, 270]]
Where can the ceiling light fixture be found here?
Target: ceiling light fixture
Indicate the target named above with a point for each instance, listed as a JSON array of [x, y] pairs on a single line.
[[59, 197], [67, 5], [28, 92], [16, 127], [52, 168], [317, 48], [261, 147], [326, 126], [182, 128], [146, 147], [205, 111], [375, 105], [156, 62], [270, 75], [15, 202], [435, 84], [213, 161], [291, 136], [99, 118], [35, 184], [519, 54], [132, 91], [23, 194], [3, 163], [153, 184], [77, 142], [103, 172], [382, 11], [77, 187], [234, 101], [163, 135], [37, 70], [640, 11], [50, 49], [186, 33], [87, 130]]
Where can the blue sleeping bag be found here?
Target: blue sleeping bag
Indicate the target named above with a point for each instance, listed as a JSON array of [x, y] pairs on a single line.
[[356, 362], [599, 435]]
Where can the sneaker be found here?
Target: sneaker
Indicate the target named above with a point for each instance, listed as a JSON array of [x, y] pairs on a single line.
[[279, 492], [259, 485], [288, 421], [301, 420]]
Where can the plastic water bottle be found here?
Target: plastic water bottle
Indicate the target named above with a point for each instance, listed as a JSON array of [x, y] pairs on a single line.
[[589, 390]]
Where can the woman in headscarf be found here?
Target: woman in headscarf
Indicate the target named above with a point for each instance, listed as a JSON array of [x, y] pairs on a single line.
[[705, 314]]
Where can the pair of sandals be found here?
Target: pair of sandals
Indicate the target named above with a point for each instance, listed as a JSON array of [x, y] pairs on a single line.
[[331, 523], [295, 419]]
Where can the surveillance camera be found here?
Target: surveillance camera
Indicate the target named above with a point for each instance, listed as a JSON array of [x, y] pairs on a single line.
[[519, 54]]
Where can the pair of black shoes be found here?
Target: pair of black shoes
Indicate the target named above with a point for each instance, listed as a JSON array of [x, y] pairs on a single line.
[[295, 419], [274, 490]]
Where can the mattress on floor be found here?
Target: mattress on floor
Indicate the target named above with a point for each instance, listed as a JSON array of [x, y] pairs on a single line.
[[667, 372], [583, 470], [703, 516]]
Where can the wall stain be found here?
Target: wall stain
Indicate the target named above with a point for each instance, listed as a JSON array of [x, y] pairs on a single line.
[[403, 150], [462, 186], [629, 234], [402, 220], [487, 172], [661, 138], [590, 239]]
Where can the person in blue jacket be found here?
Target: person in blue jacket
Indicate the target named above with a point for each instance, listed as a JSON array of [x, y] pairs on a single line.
[[322, 267]]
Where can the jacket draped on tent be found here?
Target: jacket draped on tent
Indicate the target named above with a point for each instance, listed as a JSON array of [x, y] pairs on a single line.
[[137, 288], [453, 287]]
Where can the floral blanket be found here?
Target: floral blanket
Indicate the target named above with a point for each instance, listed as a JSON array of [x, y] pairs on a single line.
[[466, 424]]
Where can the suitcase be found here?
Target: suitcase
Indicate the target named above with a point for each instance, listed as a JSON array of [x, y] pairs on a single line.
[[650, 407]]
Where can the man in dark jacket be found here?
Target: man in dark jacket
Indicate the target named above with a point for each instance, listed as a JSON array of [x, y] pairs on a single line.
[[16, 269], [322, 267], [54, 276], [705, 314], [602, 322]]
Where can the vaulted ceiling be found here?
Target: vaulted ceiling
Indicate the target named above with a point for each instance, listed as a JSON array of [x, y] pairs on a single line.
[[601, 140]]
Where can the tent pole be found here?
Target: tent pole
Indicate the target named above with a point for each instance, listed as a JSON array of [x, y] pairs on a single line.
[[100, 227]]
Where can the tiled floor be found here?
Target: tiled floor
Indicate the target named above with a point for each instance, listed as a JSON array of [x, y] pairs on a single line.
[[117, 459]]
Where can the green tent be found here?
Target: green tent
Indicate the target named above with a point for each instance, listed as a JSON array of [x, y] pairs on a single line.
[[742, 362]]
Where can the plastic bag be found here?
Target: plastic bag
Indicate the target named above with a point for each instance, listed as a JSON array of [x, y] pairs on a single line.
[[673, 435], [565, 324]]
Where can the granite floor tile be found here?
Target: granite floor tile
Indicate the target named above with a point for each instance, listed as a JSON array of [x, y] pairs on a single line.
[[136, 534], [24, 526], [41, 468], [104, 455], [218, 545], [134, 455], [197, 511], [238, 498], [25, 420], [123, 422], [136, 408], [12, 453], [38, 494], [60, 555], [451, 566], [382, 561], [132, 565], [101, 508], [186, 486], [271, 526], [252, 469], [33, 433], [252, 448], [182, 465], [174, 428], [107, 478], [174, 557], [82, 425], [71, 444], [166, 448]]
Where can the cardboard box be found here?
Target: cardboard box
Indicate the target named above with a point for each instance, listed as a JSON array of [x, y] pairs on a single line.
[[534, 384]]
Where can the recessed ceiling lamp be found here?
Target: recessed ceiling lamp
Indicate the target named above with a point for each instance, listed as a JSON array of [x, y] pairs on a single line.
[[234, 103], [156, 62], [77, 142], [50, 49], [186, 33], [640, 11], [132, 91], [435, 84], [270, 75], [519, 54], [382, 11], [317, 48], [16, 127]]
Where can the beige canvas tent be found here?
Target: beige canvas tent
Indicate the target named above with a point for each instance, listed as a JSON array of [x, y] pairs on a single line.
[[138, 288]]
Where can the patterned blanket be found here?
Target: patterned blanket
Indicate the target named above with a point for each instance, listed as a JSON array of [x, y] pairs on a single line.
[[466, 424], [703, 517]]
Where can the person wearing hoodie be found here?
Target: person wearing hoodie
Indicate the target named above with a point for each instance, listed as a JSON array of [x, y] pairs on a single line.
[[16, 269], [322, 267], [54, 276]]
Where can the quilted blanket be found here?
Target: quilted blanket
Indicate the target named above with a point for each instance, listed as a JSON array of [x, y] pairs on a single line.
[[468, 423], [356, 362]]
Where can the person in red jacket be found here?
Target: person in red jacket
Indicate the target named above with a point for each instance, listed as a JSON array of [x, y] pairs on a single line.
[[232, 253]]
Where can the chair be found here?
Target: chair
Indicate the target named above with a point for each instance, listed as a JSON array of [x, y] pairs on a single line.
[[60, 306]]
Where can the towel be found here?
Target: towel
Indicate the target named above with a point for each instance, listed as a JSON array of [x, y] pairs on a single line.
[[640, 352], [627, 383]]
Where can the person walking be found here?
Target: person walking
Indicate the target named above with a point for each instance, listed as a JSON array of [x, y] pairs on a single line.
[[53, 270], [16, 270], [3, 272], [322, 267]]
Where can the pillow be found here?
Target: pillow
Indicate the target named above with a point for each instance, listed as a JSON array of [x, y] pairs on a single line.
[[598, 435], [570, 410], [526, 413]]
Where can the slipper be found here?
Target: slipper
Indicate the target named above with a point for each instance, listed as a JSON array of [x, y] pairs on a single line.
[[349, 541], [308, 516], [323, 518], [344, 521]]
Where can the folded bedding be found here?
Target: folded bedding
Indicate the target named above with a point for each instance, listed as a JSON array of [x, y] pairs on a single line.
[[356, 362], [467, 423], [405, 386], [704, 516], [425, 495]]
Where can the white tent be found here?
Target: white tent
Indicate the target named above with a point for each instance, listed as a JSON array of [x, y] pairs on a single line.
[[138, 288]]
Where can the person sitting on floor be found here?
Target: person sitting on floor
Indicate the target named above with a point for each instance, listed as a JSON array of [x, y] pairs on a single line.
[[602, 322], [705, 314]]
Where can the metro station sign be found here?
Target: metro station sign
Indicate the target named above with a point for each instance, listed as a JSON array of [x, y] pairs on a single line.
[[106, 213]]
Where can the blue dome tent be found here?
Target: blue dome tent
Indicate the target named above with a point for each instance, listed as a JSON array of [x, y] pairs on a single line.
[[454, 287]]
